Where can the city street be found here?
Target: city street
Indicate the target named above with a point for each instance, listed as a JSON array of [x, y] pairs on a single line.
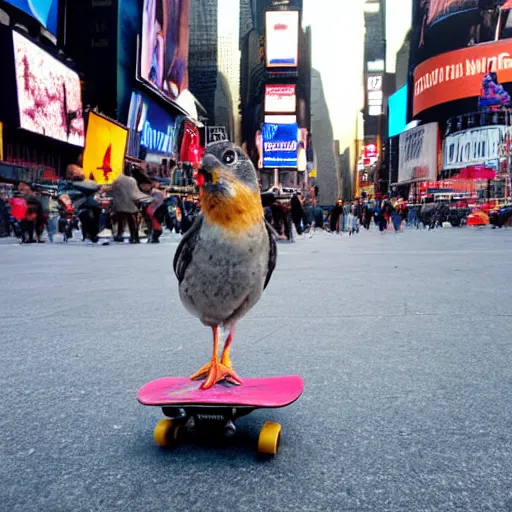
[[404, 343]]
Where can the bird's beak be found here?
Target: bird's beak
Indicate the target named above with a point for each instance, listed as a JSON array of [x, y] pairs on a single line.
[[208, 171]]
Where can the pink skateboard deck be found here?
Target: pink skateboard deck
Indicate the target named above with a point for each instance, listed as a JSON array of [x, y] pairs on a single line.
[[270, 392]]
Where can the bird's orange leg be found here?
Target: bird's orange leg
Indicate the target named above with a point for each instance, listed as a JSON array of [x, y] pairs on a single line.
[[215, 371], [226, 360]]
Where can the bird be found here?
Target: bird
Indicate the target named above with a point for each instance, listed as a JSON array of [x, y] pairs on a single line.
[[226, 259]]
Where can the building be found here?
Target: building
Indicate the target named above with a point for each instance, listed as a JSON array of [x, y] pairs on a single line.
[[228, 58], [36, 147], [203, 49]]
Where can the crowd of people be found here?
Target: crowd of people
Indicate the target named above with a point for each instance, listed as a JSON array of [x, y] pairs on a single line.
[[139, 203], [306, 215], [135, 201]]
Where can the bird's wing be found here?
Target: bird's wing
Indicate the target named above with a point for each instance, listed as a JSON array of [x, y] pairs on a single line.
[[183, 255], [272, 254]]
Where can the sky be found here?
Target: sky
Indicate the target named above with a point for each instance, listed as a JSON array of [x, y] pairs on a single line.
[[337, 53]]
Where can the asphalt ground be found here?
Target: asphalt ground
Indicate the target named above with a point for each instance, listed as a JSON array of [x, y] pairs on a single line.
[[404, 343]]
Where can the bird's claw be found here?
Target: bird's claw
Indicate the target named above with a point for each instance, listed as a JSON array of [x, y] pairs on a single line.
[[215, 372]]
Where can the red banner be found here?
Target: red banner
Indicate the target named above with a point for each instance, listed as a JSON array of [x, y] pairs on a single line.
[[458, 75]]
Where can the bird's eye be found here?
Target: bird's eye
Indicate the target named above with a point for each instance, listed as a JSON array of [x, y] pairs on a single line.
[[229, 157]]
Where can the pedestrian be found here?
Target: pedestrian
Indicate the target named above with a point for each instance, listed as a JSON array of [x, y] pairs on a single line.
[[125, 200], [297, 210], [336, 218], [156, 210]]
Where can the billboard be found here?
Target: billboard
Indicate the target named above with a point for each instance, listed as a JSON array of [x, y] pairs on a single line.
[[151, 128], [49, 94], [164, 45], [468, 23], [44, 11], [374, 94], [476, 146], [105, 147], [282, 39], [280, 99], [397, 118], [418, 154], [280, 145], [439, 9], [459, 74]]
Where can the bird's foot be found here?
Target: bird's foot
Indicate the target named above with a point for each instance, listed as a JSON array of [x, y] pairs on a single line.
[[215, 372]]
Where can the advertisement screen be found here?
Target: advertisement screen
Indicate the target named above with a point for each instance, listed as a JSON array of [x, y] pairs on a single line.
[[44, 11], [151, 127], [282, 39], [105, 147], [476, 146], [280, 145], [460, 74], [280, 99], [441, 26], [49, 94], [164, 45], [397, 119], [438, 9], [418, 154]]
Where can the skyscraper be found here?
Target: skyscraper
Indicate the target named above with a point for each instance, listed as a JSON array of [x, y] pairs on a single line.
[[228, 59], [203, 53]]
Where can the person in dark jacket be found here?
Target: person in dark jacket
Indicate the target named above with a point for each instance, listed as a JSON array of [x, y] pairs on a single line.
[[336, 219], [297, 212]]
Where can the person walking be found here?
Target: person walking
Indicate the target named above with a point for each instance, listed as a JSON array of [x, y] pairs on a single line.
[[125, 198]]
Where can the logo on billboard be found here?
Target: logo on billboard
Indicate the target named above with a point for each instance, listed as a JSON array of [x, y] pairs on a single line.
[[150, 127], [476, 146], [374, 94], [418, 153], [457, 75], [156, 140], [375, 83], [280, 145]]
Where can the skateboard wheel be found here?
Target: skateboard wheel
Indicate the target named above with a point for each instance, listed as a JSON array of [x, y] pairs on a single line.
[[165, 433], [270, 437]]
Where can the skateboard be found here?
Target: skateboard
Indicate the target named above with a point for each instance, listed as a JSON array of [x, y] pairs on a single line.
[[189, 408]]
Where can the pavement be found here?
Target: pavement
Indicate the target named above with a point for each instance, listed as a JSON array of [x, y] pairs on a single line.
[[404, 342]]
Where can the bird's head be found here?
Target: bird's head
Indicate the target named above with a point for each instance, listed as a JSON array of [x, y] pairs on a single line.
[[228, 187], [225, 166]]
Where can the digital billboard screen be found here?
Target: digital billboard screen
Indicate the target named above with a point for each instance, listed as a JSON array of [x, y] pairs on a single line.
[[438, 9], [460, 74], [105, 147], [49, 94], [164, 45], [44, 11], [280, 99], [151, 127], [280, 145], [397, 105], [441, 26], [282, 39]]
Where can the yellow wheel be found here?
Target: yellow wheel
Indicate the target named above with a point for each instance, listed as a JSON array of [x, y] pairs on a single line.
[[164, 434], [270, 436]]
